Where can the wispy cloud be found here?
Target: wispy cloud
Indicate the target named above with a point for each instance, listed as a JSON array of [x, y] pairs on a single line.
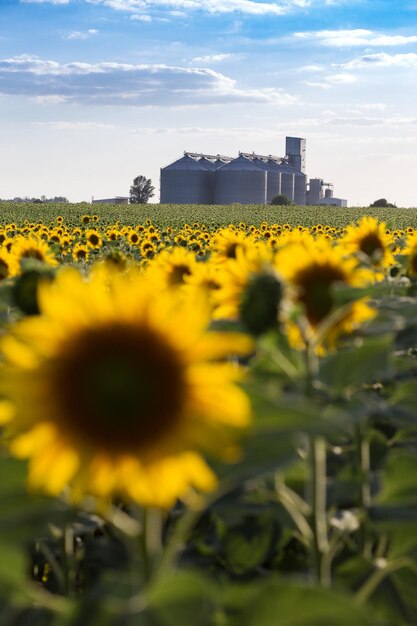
[[381, 59], [249, 7], [78, 34], [141, 17], [127, 84], [64, 125], [354, 38], [332, 80], [45, 1], [397, 121], [341, 79], [215, 58]]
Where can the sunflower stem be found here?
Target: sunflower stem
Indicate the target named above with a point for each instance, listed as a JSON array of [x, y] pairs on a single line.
[[151, 527], [311, 367], [151, 540], [364, 462], [178, 539], [318, 506]]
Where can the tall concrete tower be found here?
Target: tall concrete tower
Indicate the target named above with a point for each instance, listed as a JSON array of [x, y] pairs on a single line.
[[295, 149]]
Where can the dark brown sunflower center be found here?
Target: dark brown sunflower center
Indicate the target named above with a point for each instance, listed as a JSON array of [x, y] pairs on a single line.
[[33, 253], [120, 388], [177, 274], [81, 253], [210, 284], [231, 250], [371, 244], [315, 283], [94, 239], [4, 269]]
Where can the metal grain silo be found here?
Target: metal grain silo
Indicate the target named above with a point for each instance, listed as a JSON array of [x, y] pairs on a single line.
[[241, 181], [187, 181], [274, 180], [287, 184], [300, 188]]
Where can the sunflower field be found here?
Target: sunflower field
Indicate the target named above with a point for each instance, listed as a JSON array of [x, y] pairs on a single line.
[[207, 423]]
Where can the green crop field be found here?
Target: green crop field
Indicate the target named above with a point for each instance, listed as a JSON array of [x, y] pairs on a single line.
[[211, 215]]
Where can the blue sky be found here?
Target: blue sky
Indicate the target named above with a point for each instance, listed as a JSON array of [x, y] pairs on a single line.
[[95, 92]]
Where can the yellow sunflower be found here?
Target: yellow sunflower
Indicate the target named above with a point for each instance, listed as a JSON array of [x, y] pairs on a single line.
[[80, 252], [33, 247], [226, 242], [171, 267], [370, 241], [133, 237], [9, 265], [93, 238], [203, 283], [147, 249], [235, 276], [118, 393], [410, 251], [314, 270]]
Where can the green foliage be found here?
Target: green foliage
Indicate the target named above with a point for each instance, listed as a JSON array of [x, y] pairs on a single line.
[[382, 203], [281, 201], [212, 215], [141, 190]]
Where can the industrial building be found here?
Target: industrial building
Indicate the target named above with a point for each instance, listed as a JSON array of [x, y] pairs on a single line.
[[249, 178], [116, 200]]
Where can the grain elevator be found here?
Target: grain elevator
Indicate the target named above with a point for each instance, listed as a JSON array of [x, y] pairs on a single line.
[[249, 178]]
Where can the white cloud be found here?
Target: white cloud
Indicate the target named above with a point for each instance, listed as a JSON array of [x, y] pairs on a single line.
[[312, 68], [45, 1], [127, 84], [341, 79], [74, 125], [372, 106], [354, 38], [181, 7], [50, 99], [248, 7], [213, 58], [77, 34], [397, 121], [382, 59], [139, 17], [316, 84]]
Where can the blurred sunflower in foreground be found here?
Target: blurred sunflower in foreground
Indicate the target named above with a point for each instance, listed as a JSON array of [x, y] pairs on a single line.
[[119, 393], [371, 242], [410, 251], [314, 270]]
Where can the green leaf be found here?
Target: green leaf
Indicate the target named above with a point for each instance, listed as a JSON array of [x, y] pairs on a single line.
[[182, 598], [400, 479], [364, 362], [247, 545], [279, 603]]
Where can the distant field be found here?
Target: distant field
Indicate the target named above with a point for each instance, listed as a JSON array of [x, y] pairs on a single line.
[[212, 215]]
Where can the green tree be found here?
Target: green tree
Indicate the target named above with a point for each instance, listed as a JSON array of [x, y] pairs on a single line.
[[382, 202], [141, 190], [281, 200]]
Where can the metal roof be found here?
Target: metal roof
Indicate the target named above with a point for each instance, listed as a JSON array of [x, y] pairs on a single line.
[[241, 163], [210, 157], [186, 163]]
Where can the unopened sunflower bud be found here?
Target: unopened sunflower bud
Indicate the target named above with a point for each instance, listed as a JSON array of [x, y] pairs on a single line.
[[260, 303], [25, 290]]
